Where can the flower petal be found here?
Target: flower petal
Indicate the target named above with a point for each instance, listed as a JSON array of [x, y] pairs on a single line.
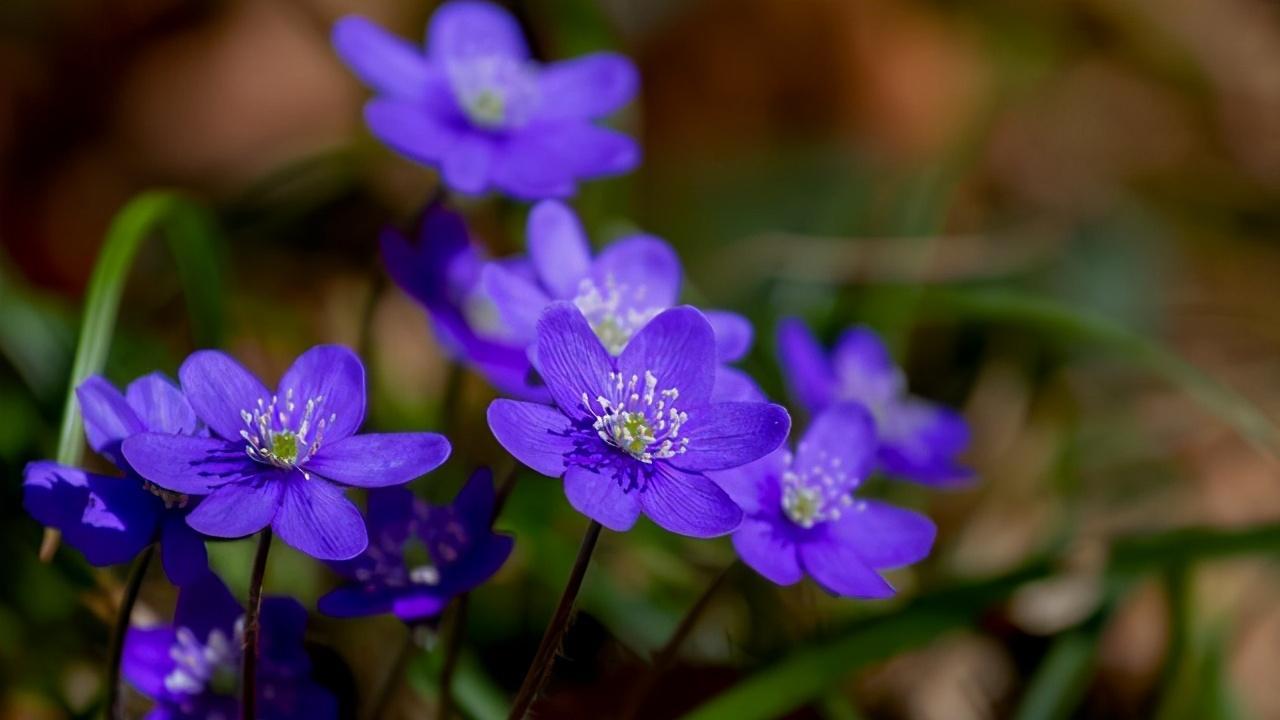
[[409, 129], [571, 359], [467, 28], [864, 369], [467, 162], [480, 563], [733, 385], [558, 247], [317, 519], [182, 551], [845, 434], [726, 435], [678, 347], [354, 601], [885, 536], [108, 519], [587, 87], [146, 661], [919, 441], [755, 487], [519, 302], [805, 366], [239, 509], [219, 389], [284, 623], [419, 606], [207, 605], [583, 149], [538, 436], [768, 551], [475, 501], [161, 405], [599, 496], [733, 334], [108, 417], [380, 459], [840, 571], [189, 465], [385, 62], [646, 266], [688, 504], [333, 376]]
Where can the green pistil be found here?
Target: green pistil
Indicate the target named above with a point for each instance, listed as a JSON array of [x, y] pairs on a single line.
[[284, 446], [225, 680], [487, 108]]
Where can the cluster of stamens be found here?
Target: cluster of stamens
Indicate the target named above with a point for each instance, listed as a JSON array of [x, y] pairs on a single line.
[[640, 420], [213, 665], [272, 440], [604, 309], [494, 91], [818, 493]]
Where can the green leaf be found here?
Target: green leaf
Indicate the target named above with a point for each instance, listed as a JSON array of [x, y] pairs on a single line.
[[477, 696], [1062, 678], [191, 236], [1070, 324]]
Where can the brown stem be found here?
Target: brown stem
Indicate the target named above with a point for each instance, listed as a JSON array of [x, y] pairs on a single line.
[[544, 659], [249, 676], [451, 652], [121, 629], [665, 655]]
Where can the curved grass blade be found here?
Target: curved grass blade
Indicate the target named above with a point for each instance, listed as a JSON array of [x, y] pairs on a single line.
[[1062, 678], [191, 236]]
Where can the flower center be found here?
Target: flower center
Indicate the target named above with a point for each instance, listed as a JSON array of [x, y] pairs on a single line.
[[273, 439], [818, 493], [640, 421], [212, 666], [494, 91], [615, 313]]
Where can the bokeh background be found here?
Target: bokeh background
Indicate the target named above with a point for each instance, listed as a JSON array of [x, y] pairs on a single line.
[[1061, 213]]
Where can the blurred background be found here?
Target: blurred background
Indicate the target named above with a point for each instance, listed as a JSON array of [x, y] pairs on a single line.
[[1061, 213]]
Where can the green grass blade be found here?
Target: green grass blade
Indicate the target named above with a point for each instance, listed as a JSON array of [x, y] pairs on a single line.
[[1071, 324], [1062, 678], [192, 239]]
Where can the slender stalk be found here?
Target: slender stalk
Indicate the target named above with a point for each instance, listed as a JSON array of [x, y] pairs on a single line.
[[452, 648], [393, 676], [121, 629], [249, 667], [665, 655], [544, 659]]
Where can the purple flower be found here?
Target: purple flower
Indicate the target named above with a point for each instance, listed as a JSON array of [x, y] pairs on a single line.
[[636, 432], [917, 440], [619, 291], [442, 272], [191, 669], [111, 519], [282, 459], [421, 556], [474, 104], [801, 517]]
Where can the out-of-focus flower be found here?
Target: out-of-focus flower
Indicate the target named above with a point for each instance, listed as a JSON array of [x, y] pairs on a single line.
[[619, 291], [801, 516], [421, 556], [917, 440], [111, 519], [191, 669], [282, 459], [635, 433], [442, 272], [476, 106]]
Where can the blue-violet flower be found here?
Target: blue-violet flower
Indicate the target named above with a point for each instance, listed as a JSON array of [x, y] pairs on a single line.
[[802, 517], [918, 440], [635, 433], [420, 556], [282, 459], [476, 106], [111, 519], [191, 669]]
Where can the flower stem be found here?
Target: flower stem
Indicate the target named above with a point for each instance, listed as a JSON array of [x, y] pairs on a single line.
[[544, 659], [452, 648], [394, 674], [123, 616], [249, 675], [665, 655]]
